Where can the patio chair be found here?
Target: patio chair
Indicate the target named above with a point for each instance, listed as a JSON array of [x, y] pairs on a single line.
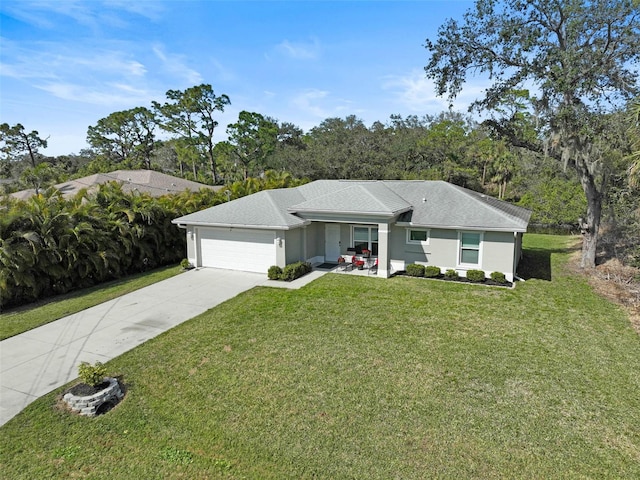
[[356, 262], [373, 270], [343, 264]]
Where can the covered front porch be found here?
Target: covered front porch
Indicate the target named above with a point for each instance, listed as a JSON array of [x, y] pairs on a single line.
[[350, 246]]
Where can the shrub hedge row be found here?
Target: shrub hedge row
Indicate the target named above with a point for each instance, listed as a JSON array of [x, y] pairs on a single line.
[[290, 271], [431, 271]]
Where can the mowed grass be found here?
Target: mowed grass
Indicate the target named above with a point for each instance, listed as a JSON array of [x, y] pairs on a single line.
[[25, 318], [360, 377]]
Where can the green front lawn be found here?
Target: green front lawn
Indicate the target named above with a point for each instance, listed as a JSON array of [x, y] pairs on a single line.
[[360, 377], [31, 316]]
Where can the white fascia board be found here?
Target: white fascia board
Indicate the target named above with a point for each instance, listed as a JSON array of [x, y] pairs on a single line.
[[239, 225], [462, 227], [350, 212]]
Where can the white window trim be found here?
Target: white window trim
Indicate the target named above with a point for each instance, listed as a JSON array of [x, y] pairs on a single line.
[[417, 242], [370, 227], [472, 266]]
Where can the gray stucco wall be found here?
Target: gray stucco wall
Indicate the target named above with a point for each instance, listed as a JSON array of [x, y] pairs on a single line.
[[441, 250], [498, 252], [294, 245]]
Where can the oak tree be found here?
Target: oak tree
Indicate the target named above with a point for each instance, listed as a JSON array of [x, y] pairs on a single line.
[[579, 60]]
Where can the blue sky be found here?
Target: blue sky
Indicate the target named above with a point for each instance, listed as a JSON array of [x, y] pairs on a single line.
[[66, 64]]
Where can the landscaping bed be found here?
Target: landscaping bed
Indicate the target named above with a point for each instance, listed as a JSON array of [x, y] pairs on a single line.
[[486, 281]]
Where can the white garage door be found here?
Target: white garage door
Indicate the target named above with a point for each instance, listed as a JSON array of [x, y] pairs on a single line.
[[246, 250]]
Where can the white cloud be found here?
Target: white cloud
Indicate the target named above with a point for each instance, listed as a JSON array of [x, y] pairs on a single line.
[[93, 14], [176, 65], [117, 95], [300, 50], [319, 104], [417, 93], [150, 9], [223, 73]]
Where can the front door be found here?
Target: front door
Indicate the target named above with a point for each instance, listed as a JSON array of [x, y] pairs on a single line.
[[332, 245]]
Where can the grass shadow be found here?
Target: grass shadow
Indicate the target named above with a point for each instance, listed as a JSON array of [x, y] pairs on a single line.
[[536, 258], [535, 263]]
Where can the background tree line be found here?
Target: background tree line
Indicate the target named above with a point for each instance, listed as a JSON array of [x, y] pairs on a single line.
[[51, 245], [566, 149]]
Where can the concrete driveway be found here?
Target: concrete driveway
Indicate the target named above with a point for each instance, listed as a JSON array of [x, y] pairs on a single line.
[[38, 361]]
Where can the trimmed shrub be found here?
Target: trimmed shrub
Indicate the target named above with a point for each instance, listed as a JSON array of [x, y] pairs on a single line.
[[274, 272], [415, 270], [92, 374], [432, 271], [498, 277], [295, 270], [451, 274], [475, 275]]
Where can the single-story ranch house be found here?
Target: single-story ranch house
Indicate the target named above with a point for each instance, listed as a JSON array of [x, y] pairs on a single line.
[[399, 222]]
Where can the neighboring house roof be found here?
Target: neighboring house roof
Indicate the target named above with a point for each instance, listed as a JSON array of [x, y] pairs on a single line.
[[417, 203], [145, 181]]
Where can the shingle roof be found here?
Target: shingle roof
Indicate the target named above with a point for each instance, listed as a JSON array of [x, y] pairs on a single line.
[[356, 197], [442, 204], [265, 209], [417, 202], [147, 181]]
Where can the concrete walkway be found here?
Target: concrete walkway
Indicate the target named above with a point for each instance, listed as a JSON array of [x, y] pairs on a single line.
[[38, 361]]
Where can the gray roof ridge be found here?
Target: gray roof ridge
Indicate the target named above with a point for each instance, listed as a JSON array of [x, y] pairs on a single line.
[[391, 191], [473, 194], [275, 206]]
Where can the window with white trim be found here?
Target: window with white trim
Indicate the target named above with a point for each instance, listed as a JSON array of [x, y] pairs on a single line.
[[470, 243], [365, 238], [417, 236]]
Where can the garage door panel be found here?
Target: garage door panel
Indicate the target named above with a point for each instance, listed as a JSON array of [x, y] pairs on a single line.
[[237, 249]]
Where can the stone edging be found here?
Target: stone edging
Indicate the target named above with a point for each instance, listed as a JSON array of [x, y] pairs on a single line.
[[89, 405]]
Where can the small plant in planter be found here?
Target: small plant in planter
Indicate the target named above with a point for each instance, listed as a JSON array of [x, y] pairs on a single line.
[[92, 375], [92, 379], [96, 394]]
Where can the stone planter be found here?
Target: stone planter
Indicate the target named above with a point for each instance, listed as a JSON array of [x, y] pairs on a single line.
[[90, 405]]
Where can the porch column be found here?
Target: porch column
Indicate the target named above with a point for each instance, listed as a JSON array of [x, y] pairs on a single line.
[[383, 250]]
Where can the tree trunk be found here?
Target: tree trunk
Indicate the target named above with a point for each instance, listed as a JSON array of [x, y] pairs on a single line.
[[590, 226], [212, 163]]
